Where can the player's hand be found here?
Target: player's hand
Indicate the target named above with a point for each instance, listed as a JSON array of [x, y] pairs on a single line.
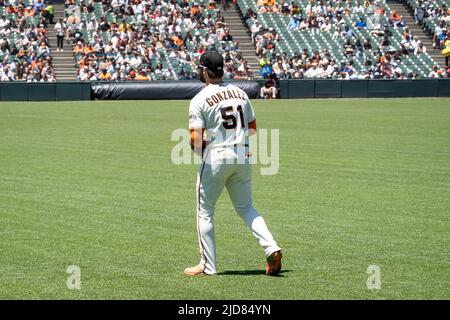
[[199, 150]]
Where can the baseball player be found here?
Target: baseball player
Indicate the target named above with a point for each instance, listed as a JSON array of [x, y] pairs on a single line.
[[221, 119]]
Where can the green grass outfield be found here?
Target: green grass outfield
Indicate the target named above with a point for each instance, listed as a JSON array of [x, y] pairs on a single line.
[[361, 182]]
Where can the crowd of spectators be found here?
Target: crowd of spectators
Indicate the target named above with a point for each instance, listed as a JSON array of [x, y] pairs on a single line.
[[149, 39], [426, 9], [24, 45], [320, 64], [157, 39], [379, 58]]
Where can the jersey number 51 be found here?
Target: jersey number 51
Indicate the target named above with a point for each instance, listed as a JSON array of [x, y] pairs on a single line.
[[229, 119]]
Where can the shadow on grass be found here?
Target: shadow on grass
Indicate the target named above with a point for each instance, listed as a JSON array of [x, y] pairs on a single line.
[[249, 273]]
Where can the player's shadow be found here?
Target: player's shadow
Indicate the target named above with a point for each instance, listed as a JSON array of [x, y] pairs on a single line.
[[249, 273]]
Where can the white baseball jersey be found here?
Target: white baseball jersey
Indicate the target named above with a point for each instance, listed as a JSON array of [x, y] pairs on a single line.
[[224, 111]]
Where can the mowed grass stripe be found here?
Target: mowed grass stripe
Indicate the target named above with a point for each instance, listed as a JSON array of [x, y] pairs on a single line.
[[91, 183]]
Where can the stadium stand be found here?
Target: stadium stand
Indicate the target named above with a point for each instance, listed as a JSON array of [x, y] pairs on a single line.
[[434, 17], [163, 39], [418, 30], [149, 40], [335, 39], [25, 54], [430, 14]]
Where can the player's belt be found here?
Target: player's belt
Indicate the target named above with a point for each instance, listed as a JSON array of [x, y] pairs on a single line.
[[232, 146]]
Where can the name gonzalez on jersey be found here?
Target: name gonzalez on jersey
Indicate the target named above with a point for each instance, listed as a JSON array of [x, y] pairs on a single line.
[[225, 95]]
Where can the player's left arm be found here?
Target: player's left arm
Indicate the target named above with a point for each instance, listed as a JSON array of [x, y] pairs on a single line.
[[250, 118], [252, 128]]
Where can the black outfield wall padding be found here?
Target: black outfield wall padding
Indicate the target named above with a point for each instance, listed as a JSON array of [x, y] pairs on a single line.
[[160, 90], [45, 91], [311, 88], [444, 88], [41, 92], [289, 89], [328, 89], [403, 88], [14, 91], [73, 91], [298, 89], [354, 88]]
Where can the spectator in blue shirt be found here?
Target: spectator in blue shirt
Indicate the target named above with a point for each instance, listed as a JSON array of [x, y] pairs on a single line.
[[361, 23], [349, 33], [294, 23], [266, 71], [38, 7]]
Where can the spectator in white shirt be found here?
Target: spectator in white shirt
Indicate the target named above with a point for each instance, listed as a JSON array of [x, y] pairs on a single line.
[[255, 29]]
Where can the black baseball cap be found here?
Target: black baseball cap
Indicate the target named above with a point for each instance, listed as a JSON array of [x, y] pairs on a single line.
[[213, 61]]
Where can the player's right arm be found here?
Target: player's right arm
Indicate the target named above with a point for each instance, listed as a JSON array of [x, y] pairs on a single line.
[[196, 127], [198, 144]]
